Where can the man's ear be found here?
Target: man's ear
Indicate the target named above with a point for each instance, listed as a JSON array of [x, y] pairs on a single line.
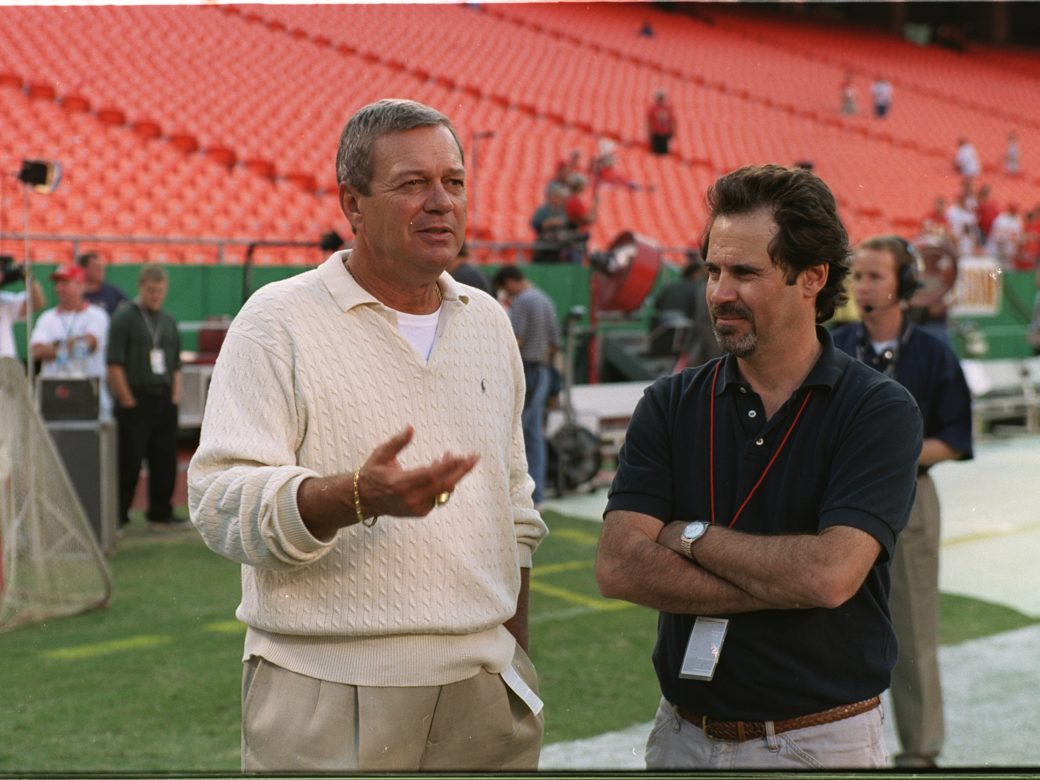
[[814, 279], [349, 202]]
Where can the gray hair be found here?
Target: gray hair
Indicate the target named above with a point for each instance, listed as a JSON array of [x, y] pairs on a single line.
[[354, 159]]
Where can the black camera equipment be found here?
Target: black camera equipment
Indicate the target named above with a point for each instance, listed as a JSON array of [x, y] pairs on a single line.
[[10, 272]]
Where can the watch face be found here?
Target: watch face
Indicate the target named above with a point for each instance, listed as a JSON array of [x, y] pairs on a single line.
[[694, 530]]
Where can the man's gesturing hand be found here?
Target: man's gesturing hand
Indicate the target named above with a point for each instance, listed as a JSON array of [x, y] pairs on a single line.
[[326, 504], [388, 489]]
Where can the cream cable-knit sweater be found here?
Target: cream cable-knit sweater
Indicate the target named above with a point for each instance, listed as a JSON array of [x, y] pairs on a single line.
[[312, 377]]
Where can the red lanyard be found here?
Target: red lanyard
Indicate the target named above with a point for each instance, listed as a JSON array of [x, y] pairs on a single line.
[[711, 451]]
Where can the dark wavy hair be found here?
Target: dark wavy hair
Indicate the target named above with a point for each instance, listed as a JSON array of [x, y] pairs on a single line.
[[806, 213]]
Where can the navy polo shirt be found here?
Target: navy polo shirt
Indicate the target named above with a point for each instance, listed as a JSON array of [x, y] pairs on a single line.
[[850, 460], [927, 367]]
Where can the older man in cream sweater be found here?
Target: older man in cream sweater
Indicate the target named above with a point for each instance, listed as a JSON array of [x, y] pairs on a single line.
[[362, 457]]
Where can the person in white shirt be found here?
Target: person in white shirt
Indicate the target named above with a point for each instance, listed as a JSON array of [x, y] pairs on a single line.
[[14, 307], [964, 226], [1006, 235], [966, 160], [881, 94], [70, 338], [384, 574]]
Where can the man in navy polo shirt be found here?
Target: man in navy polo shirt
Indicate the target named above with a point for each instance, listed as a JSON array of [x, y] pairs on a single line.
[[758, 499], [883, 280]]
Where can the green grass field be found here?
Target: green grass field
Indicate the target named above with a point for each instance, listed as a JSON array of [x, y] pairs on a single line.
[[151, 684]]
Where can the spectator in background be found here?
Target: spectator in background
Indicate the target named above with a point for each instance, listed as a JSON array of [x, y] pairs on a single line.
[[537, 330], [97, 290], [581, 216], [604, 167], [552, 228], [966, 159], [15, 305], [848, 95], [1031, 237], [934, 222], [463, 271], [986, 211], [70, 338], [1006, 237], [881, 95], [660, 123], [1033, 334], [963, 224], [565, 168], [884, 278], [968, 195], [144, 371], [1012, 161]]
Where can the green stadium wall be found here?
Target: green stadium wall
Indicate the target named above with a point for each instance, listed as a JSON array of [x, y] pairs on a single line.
[[198, 292]]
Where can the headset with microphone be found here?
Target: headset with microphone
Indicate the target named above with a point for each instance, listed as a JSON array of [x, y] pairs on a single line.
[[906, 285], [906, 270]]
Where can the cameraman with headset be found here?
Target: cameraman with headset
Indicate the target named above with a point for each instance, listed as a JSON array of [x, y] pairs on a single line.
[[884, 278], [15, 305]]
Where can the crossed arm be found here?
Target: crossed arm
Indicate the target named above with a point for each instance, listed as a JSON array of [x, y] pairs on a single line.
[[639, 560]]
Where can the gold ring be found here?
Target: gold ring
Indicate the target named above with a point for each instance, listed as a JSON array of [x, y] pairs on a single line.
[[442, 498]]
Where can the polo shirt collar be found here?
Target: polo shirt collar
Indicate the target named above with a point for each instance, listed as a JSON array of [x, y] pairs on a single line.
[[347, 293], [825, 373]]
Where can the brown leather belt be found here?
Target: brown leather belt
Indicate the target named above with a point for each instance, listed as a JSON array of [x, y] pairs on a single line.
[[743, 730]]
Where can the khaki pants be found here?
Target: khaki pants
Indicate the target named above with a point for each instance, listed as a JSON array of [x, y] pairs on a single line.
[[916, 692], [291, 722], [854, 743]]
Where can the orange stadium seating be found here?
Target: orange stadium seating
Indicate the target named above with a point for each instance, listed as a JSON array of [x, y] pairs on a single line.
[[221, 122]]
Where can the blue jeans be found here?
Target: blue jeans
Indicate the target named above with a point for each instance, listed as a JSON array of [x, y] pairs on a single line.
[[538, 379]]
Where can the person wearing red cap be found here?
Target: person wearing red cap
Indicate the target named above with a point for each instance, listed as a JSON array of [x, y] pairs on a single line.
[[70, 338]]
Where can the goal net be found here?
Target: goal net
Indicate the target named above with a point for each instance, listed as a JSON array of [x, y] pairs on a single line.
[[50, 562]]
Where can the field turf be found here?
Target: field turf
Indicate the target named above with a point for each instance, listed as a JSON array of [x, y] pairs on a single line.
[[151, 683]]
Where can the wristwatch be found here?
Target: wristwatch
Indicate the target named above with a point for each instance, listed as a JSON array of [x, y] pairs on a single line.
[[690, 534]]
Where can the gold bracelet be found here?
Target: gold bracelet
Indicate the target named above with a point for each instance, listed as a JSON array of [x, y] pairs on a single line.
[[357, 503]]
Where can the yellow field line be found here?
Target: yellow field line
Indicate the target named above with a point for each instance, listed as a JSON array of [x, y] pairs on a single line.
[[107, 648], [574, 535], [225, 627], [554, 568], [581, 599], [983, 536]]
